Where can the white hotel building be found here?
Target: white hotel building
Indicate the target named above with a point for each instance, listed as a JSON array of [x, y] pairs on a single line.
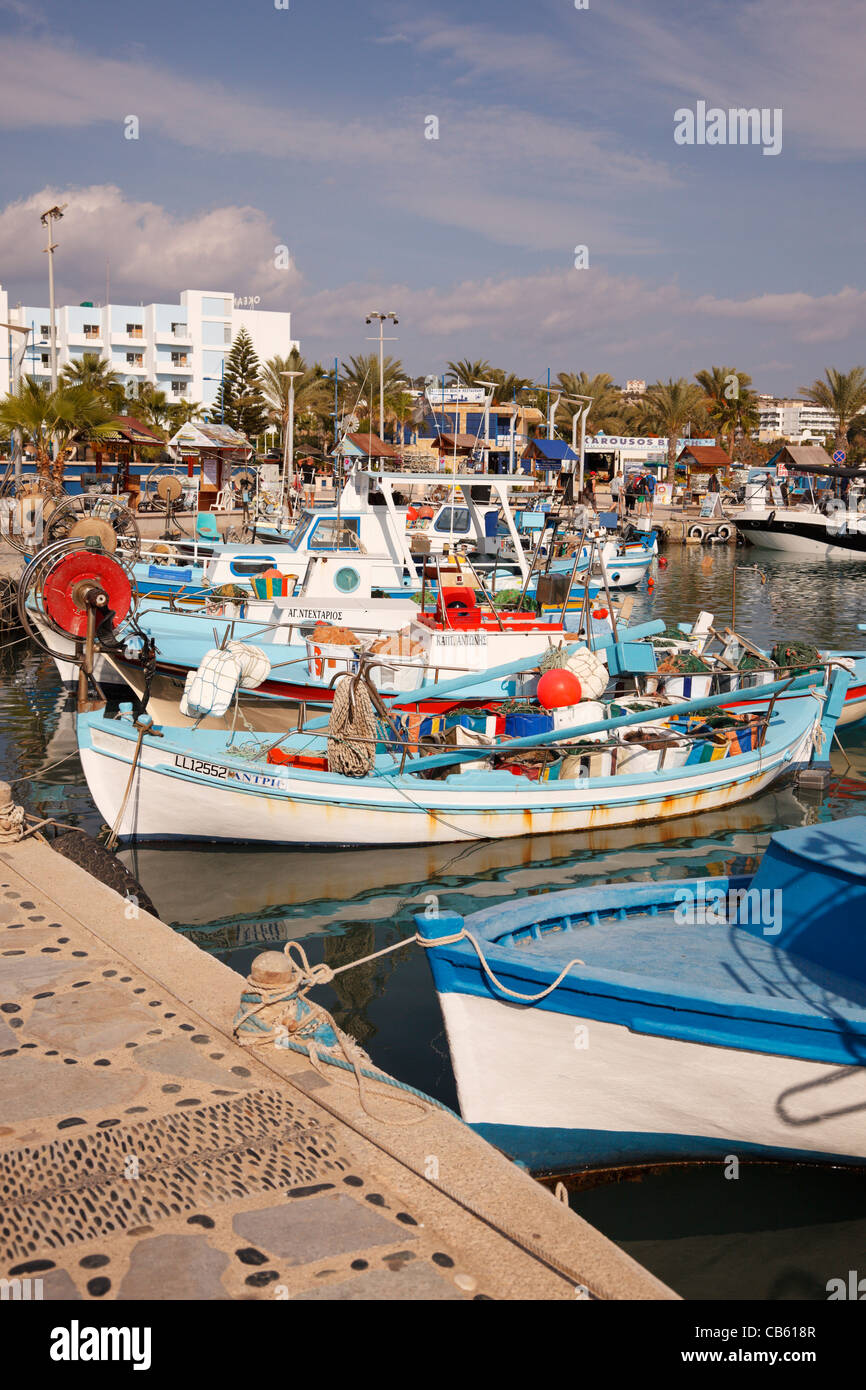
[[180, 348], [797, 422]]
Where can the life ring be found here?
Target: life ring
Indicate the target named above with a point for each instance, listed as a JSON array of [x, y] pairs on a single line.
[[696, 533], [724, 532], [318, 663]]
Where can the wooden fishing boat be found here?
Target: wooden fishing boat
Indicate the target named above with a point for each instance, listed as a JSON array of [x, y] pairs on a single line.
[[172, 783], [691, 1019]]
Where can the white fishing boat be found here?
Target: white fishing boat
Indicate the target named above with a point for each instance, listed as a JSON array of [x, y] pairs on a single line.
[[684, 1019], [169, 783]]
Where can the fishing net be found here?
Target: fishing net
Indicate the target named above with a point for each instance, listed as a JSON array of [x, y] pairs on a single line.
[[798, 657], [682, 664], [554, 659], [510, 598], [670, 634], [751, 661]]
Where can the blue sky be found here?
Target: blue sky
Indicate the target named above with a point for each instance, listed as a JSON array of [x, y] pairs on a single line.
[[306, 127]]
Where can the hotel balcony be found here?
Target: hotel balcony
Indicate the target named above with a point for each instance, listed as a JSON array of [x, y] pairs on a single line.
[[173, 368], [91, 341], [179, 333], [126, 339]]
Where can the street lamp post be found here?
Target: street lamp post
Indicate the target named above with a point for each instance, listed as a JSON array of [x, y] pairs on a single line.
[[289, 438], [490, 387], [48, 219], [382, 320], [582, 416]]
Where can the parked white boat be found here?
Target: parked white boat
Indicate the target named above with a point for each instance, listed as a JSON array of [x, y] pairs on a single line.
[[196, 784], [678, 1020]]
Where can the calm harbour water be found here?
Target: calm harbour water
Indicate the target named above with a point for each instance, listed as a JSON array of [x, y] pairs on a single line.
[[781, 1232]]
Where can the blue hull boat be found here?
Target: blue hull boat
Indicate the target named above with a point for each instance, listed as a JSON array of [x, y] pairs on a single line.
[[707, 1018]]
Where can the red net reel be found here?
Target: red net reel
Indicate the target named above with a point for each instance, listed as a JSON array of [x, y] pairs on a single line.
[[68, 581]]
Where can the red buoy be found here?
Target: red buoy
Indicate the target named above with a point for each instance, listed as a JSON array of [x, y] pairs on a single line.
[[558, 688], [601, 614], [68, 582], [663, 564]]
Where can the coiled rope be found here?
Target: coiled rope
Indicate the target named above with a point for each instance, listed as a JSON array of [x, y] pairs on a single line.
[[352, 729]]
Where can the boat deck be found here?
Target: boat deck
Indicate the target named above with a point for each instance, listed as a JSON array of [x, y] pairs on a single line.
[[707, 959]]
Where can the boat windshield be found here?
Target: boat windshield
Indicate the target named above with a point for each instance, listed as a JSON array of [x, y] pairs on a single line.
[[295, 538]]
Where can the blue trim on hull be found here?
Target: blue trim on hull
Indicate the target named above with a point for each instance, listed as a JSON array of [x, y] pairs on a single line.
[[571, 1150]]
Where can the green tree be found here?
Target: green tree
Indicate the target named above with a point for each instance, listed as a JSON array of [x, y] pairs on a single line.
[[182, 412], [606, 411], [729, 402], [313, 395], [239, 401], [843, 393], [97, 374], [667, 407], [65, 416], [508, 385], [469, 373], [151, 405], [359, 384]]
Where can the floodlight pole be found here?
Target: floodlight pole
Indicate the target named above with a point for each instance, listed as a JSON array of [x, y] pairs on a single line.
[[382, 319], [48, 219]]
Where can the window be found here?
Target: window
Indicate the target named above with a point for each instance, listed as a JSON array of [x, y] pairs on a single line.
[[294, 539], [134, 330], [135, 359], [178, 388], [461, 521], [179, 359], [45, 359], [347, 579], [227, 333], [242, 567], [180, 330], [45, 330], [331, 533], [91, 330]]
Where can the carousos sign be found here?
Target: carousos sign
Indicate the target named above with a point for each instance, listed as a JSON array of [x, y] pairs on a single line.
[[606, 443]]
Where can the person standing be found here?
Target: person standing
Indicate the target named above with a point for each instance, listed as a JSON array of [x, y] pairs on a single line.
[[649, 483], [616, 492], [630, 493]]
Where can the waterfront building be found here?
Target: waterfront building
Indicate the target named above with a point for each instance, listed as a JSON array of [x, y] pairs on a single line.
[[796, 421], [179, 348]]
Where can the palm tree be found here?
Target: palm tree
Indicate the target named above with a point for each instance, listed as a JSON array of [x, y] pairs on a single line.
[[507, 384], [843, 393], [182, 412], [311, 390], [468, 373], [153, 405], [359, 382], [729, 401], [667, 407], [606, 410], [96, 373], [66, 416]]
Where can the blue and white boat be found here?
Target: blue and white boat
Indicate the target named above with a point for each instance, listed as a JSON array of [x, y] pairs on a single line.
[[694, 1019], [212, 784]]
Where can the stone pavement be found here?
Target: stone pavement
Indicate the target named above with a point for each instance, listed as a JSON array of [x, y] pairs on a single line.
[[145, 1155]]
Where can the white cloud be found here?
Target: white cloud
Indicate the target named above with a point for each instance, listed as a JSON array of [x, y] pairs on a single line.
[[152, 254]]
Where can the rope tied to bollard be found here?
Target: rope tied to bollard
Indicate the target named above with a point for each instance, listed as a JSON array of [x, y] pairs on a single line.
[[280, 982]]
